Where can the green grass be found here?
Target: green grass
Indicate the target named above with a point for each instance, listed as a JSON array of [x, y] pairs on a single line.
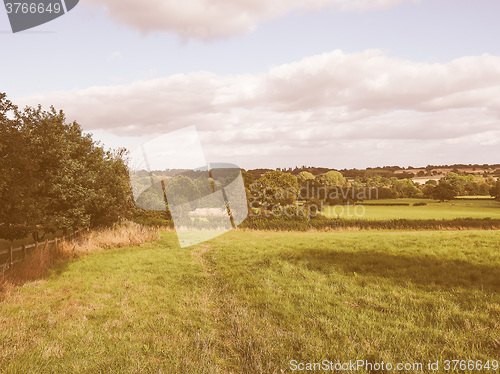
[[401, 201], [433, 210], [249, 302], [475, 197]]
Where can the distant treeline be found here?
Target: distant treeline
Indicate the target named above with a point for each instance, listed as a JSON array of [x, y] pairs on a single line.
[[277, 188], [388, 171]]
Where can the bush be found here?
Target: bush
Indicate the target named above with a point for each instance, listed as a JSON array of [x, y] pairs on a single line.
[[151, 218], [323, 223]]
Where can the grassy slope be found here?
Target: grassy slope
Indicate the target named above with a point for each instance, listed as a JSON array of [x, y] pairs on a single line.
[[249, 302], [434, 210]]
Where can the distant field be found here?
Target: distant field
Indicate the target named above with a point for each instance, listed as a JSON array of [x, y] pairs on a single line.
[[250, 302], [433, 210]]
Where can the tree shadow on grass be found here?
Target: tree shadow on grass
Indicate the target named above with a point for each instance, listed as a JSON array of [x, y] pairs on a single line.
[[59, 268], [425, 271]]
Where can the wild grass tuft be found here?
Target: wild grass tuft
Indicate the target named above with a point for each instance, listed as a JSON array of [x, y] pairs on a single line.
[[38, 262]]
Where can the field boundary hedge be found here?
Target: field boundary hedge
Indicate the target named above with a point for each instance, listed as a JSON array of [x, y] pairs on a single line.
[[280, 224], [323, 223], [385, 204]]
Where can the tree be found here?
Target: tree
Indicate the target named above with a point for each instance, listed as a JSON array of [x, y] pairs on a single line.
[[495, 191], [405, 188], [331, 179], [14, 166], [181, 189], [463, 185], [278, 187], [247, 179], [444, 191], [54, 176], [304, 178], [428, 188]]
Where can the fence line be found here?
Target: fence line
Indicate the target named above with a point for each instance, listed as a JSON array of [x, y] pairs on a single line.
[[26, 249]]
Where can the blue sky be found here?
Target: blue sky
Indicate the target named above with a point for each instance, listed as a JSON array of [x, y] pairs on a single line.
[[274, 83]]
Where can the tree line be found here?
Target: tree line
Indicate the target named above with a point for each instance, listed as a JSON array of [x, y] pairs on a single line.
[[54, 177], [276, 187], [391, 171]]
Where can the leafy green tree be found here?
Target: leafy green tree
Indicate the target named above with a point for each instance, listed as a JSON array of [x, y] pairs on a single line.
[[444, 191], [331, 179], [405, 188], [495, 191], [111, 186], [428, 188], [463, 185], [56, 177], [304, 177], [15, 166], [247, 179], [182, 189], [151, 199], [278, 187]]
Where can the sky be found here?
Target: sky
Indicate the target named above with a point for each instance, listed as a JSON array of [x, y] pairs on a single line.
[[272, 83]]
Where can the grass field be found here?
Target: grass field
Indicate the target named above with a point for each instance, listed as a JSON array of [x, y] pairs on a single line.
[[433, 210], [249, 302], [475, 197]]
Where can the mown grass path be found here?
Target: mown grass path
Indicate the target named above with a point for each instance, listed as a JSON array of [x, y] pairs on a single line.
[[250, 302]]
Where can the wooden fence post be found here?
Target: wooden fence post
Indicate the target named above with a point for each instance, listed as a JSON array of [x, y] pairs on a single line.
[[55, 243], [24, 252], [46, 245], [11, 256]]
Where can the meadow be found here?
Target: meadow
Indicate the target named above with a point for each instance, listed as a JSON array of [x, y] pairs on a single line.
[[250, 302], [460, 208]]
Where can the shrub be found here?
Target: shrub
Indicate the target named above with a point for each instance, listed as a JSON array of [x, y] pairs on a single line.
[[323, 223]]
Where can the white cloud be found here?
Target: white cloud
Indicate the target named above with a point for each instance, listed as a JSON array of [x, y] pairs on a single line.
[[116, 55], [208, 19], [308, 107]]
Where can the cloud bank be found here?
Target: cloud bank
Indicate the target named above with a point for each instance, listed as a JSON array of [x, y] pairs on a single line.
[[209, 19], [363, 106]]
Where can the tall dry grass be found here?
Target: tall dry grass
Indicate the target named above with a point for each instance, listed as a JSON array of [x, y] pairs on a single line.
[[127, 234]]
